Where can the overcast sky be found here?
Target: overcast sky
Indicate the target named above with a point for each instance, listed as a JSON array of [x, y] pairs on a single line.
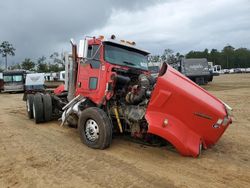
[[41, 27]]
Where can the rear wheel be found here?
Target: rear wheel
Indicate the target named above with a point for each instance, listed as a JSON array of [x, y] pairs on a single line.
[[95, 128], [29, 105], [38, 111], [47, 107]]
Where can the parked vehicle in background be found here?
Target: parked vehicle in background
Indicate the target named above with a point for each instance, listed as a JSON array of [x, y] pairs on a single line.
[[34, 82], [247, 70], [196, 69], [216, 70], [53, 76], [225, 71], [1, 81], [243, 70], [210, 67], [237, 70], [48, 77], [14, 80], [231, 71], [62, 76], [154, 68]]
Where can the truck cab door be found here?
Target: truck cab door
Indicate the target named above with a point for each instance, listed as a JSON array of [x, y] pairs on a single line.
[[89, 73]]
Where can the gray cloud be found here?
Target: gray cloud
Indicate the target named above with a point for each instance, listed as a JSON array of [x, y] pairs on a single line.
[[185, 25], [41, 27]]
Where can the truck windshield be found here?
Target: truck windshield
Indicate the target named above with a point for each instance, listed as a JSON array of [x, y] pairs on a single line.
[[125, 56], [17, 78], [154, 69], [13, 78], [7, 78]]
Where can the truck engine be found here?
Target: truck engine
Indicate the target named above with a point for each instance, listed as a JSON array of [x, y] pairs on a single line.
[[128, 106]]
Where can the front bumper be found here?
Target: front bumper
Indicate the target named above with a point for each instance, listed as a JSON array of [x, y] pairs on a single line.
[[186, 141]]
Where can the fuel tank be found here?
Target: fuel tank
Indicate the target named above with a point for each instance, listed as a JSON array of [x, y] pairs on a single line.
[[185, 114]]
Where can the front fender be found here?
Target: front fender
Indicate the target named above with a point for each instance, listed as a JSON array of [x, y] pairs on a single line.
[[191, 113], [177, 133]]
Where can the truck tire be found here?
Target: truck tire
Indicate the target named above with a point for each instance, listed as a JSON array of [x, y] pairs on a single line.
[[29, 105], [38, 111], [47, 107], [95, 128]]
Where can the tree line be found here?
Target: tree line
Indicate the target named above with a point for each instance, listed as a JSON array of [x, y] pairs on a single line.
[[228, 57], [52, 64]]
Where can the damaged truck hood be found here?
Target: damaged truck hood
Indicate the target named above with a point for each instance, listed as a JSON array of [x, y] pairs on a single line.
[[185, 114]]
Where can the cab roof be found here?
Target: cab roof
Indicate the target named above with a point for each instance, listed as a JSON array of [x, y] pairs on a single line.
[[125, 44]]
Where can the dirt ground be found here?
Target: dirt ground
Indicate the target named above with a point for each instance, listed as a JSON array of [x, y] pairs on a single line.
[[48, 155]]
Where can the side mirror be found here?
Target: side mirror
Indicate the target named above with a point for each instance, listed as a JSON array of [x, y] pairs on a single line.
[[83, 48]]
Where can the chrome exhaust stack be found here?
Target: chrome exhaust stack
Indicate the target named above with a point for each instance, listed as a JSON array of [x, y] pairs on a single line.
[[72, 72]]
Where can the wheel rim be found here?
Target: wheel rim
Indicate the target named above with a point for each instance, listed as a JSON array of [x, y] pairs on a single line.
[[91, 130], [34, 111], [28, 105]]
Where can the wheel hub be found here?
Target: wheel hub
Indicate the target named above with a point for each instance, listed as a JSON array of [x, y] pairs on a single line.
[[34, 111], [91, 130]]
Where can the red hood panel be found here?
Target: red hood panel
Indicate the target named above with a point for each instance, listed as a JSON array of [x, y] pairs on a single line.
[[190, 111]]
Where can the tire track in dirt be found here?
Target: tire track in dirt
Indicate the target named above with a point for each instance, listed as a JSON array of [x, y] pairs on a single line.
[[64, 163]]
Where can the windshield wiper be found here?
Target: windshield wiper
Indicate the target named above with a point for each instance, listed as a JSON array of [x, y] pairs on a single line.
[[128, 63]]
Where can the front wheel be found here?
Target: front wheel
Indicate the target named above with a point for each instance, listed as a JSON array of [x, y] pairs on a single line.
[[95, 128]]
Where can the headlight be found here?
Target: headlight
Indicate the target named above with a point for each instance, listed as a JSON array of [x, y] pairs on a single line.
[[222, 122], [219, 122]]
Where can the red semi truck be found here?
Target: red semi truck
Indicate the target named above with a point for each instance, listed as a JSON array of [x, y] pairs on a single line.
[[108, 89]]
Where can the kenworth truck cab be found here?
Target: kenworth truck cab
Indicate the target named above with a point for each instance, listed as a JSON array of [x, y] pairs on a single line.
[[109, 89]]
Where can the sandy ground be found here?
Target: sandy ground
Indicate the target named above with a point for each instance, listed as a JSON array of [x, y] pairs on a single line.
[[47, 155]]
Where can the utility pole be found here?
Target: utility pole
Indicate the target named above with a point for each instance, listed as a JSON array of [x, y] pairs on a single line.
[[227, 61]]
